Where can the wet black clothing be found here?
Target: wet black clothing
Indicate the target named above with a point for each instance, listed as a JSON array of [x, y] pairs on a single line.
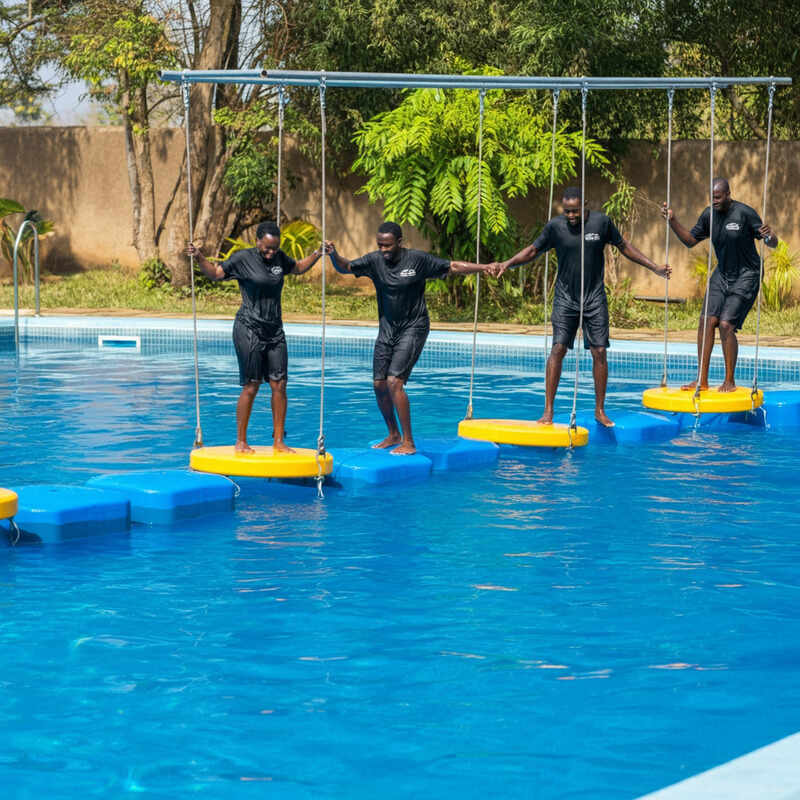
[[403, 321], [258, 335], [595, 323], [400, 287], [733, 287], [735, 234], [598, 231]]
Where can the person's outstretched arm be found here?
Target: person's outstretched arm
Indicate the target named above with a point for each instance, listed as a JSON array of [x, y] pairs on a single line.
[[467, 267], [340, 263], [305, 264], [638, 257], [682, 233], [212, 271], [523, 257]]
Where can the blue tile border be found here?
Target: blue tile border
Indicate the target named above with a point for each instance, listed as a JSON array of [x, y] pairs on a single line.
[[445, 349]]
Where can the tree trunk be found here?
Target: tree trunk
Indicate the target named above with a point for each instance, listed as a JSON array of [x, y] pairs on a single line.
[[205, 151], [147, 247]]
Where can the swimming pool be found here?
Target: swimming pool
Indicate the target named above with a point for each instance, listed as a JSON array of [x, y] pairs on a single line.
[[594, 624]]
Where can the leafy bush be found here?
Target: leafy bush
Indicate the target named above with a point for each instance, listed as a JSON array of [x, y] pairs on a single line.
[[624, 311], [780, 273], [8, 237], [154, 274]]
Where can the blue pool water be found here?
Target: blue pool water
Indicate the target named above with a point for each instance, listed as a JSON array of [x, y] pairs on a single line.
[[594, 624]]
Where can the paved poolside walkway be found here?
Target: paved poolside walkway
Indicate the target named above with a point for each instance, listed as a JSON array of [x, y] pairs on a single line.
[[630, 334]]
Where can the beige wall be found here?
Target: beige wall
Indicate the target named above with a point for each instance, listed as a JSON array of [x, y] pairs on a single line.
[[77, 177]]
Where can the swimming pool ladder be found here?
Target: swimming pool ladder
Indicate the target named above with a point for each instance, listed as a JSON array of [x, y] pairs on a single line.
[[25, 222]]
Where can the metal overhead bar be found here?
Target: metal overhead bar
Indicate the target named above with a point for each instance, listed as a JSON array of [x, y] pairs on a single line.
[[393, 80]]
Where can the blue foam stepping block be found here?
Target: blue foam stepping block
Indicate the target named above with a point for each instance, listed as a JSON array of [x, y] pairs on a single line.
[[161, 496], [55, 512], [457, 453], [631, 427], [353, 466], [782, 409]]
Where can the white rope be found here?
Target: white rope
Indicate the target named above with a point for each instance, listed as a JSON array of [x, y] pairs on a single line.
[[670, 99], [556, 93], [278, 177], [761, 254], [198, 432], [713, 91], [573, 420], [321, 439], [481, 96]]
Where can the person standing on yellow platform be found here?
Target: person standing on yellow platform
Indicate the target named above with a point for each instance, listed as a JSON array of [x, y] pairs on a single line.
[[258, 328]]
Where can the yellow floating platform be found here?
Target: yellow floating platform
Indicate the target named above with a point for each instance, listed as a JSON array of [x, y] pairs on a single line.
[[525, 433], [8, 503], [709, 401], [263, 463]]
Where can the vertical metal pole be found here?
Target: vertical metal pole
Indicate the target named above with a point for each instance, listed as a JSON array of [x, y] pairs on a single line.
[[572, 420], [35, 267], [321, 437], [281, 105], [198, 432], [713, 91], [556, 93], [761, 249], [481, 106], [670, 99]]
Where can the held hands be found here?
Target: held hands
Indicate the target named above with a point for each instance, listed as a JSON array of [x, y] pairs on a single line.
[[495, 269], [663, 271], [328, 247]]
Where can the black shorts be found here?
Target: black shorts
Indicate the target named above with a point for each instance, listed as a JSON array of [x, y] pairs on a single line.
[[397, 355], [566, 317], [261, 357], [730, 303]]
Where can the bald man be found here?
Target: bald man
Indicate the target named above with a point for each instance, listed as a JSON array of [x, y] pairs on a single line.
[[733, 286]]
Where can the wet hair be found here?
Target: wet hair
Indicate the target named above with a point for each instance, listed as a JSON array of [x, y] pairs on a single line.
[[571, 193], [268, 229], [393, 228], [722, 183]]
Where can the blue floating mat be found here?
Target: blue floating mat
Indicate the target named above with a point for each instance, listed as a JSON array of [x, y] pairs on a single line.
[[55, 512], [457, 453], [161, 496], [632, 427], [782, 409], [371, 467]]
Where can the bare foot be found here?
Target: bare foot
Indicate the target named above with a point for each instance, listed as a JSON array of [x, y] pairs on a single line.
[[390, 441], [243, 447], [603, 419], [727, 386], [545, 419], [693, 385], [405, 449], [280, 447]]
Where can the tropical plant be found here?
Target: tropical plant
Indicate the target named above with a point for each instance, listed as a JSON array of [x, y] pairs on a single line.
[[421, 160], [8, 237], [298, 239], [781, 271], [621, 208]]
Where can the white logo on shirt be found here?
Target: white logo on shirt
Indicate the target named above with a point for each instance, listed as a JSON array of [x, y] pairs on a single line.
[[276, 270], [408, 273], [732, 226], [592, 237]]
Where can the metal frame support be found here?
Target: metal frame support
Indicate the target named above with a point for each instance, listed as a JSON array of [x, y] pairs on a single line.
[[17, 242]]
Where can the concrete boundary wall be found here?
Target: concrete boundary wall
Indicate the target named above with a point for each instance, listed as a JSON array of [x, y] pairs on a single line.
[[77, 177]]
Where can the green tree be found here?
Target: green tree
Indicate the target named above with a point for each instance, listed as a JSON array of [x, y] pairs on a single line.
[[421, 160]]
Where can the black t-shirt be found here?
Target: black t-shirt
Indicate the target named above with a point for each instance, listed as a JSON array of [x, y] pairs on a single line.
[[400, 286], [260, 282], [598, 231], [735, 233]]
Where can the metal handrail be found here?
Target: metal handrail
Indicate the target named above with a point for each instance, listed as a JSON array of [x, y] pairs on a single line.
[[16, 274]]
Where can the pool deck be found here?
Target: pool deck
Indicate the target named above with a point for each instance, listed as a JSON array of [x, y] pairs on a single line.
[[770, 772]]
